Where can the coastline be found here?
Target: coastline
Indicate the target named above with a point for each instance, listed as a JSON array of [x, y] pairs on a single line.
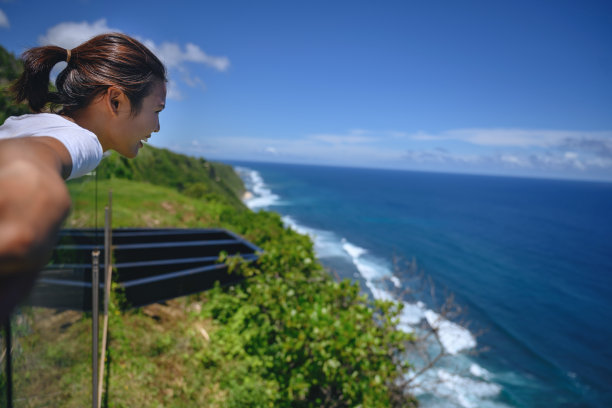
[[469, 234], [457, 379]]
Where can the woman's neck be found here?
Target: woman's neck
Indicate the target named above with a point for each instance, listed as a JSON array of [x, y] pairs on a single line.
[[92, 118]]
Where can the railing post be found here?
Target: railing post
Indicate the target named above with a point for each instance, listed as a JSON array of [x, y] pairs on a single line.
[[8, 366], [108, 270], [95, 286]]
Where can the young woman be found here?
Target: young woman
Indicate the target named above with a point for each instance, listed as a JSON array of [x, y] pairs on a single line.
[[109, 96]]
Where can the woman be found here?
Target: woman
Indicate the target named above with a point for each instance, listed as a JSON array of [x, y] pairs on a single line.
[[108, 97]]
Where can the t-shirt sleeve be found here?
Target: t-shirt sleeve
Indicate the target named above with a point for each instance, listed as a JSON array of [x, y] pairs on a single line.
[[84, 148]]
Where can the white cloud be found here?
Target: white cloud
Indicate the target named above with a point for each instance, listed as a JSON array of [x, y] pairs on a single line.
[[512, 159], [172, 90], [193, 81], [195, 54], [556, 161], [507, 137], [342, 139], [549, 161], [598, 162], [4, 21], [174, 56], [516, 137], [438, 156], [355, 136], [71, 34], [570, 155], [536, 151]]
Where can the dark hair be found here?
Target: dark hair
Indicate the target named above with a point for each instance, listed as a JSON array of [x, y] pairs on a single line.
[[106, 60]]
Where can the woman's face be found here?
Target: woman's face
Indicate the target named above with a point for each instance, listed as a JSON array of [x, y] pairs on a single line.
[[131, 130]]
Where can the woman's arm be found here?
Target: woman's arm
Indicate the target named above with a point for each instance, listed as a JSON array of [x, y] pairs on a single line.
[[34, 201]]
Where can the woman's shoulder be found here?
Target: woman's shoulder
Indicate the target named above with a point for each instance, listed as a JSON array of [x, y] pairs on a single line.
[[37, 119], [40, 124]]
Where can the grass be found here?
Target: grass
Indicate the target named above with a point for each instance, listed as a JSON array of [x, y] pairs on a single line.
[[150, 361], [138, 204], [151, 349]]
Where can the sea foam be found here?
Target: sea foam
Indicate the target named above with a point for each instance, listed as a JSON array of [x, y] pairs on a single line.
[[465, 391], [458, 390], [326, 243], [454, 338], [261, 195]]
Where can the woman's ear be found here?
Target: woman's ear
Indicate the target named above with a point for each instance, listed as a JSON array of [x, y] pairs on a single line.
[[115, 100]]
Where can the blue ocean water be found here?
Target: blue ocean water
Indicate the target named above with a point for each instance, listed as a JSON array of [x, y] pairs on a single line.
[[529, 260]]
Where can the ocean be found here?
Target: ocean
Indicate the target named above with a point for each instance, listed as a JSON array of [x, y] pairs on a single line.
[[529, 262]]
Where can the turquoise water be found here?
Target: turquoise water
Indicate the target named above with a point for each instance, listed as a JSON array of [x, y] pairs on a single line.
[[530, 262]]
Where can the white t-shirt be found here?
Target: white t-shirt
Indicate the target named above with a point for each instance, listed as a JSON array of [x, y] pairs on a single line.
[[83, 145]]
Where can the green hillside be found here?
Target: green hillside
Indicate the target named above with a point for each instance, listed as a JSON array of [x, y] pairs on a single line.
[[194, 177]]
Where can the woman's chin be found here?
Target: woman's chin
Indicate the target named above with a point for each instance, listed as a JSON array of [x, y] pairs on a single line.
[[130, 154]]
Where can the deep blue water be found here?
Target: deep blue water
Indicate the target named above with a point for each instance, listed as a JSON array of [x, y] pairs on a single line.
[[530, 260]]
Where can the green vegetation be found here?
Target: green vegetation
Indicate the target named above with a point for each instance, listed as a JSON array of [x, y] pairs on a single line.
[[10, 68], [287, 336], [193, 177]]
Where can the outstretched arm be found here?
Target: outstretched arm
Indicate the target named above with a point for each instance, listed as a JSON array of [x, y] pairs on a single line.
[[34, 201]]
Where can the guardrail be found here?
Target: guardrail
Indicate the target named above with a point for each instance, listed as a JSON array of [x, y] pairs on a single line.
[[151, 265]]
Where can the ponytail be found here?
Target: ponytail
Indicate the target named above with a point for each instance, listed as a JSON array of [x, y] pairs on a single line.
[[106, 60], [33, 84]]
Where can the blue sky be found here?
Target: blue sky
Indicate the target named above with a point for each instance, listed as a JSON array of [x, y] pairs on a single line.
[[495, 87]]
